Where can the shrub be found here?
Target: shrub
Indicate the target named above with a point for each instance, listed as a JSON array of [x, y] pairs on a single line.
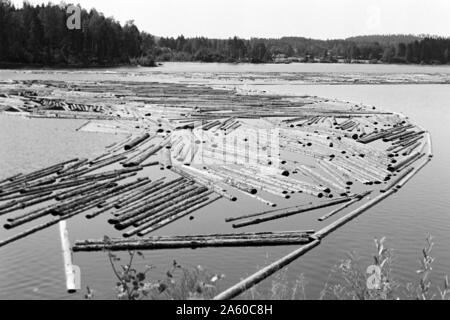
[[351, 281], [179, 283]]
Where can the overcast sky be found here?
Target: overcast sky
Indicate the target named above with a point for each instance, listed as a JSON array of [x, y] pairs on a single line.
[[322, 19]]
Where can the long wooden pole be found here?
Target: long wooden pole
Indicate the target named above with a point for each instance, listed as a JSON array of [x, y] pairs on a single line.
[[196, 243], [345, 206], [72, 283], [264, 273], [243, 235], [38, 228], [288, 213], [174, 217]]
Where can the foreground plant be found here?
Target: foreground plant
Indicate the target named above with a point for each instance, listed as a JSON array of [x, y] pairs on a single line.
[[377, 282], [280, 289], [352, 280], [179, 283], [424, 290], [355, 282]]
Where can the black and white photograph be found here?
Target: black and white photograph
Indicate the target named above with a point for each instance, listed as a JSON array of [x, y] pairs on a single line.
[[244, 152]]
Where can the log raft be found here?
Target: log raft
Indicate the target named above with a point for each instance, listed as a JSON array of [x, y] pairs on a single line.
[[326, 149]]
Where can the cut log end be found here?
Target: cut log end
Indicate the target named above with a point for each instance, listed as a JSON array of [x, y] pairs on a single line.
[[285, 173]]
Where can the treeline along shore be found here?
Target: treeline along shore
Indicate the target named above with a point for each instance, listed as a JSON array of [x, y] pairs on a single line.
[[38, 36]]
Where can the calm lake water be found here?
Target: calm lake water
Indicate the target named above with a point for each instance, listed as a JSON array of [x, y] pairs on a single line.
[[32, 268]]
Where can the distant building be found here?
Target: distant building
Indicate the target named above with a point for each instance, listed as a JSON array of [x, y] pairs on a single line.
[[281, 58]]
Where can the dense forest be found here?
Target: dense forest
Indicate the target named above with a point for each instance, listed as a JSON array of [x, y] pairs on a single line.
[[39, 35], [386, 49]]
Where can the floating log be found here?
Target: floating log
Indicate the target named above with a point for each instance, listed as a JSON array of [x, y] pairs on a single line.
[[365, 173], [396, 180], [104, 193], [29, 203], [23, 198], [411, 149], [78, 191], [245, 179], [267, 202], [120, 145], [38, 228], [352, 215], [361, 174], [319, 178], [24, 179], [144, 192], [130, 191], [198, 241], [247, 235], [53, 187], [150, 164], [167, 158], [56, 208], [106, 206], [332, 173], [95, 167], [232, 219], [226, 123], [102, 176], [286, 260], [211, 125], [140, 158], [85, 206], [356, 199], [403, 141], [408, 177], [4, 207], [73, 167], [238, 184], [402, 164], [20, 220], [399, 136], [349, 172], [137, 195], [234, 127], [10, 179], [71, 280], [430, 145], [135, 142], [152, 197], [100, 158], [151, 208], [414, 137], [399, 147], [264, 273], [193, 207], [287, 213], [138, 200], [205, 183], [146, 224], [109, 160], [402, 148], [382, 134]]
